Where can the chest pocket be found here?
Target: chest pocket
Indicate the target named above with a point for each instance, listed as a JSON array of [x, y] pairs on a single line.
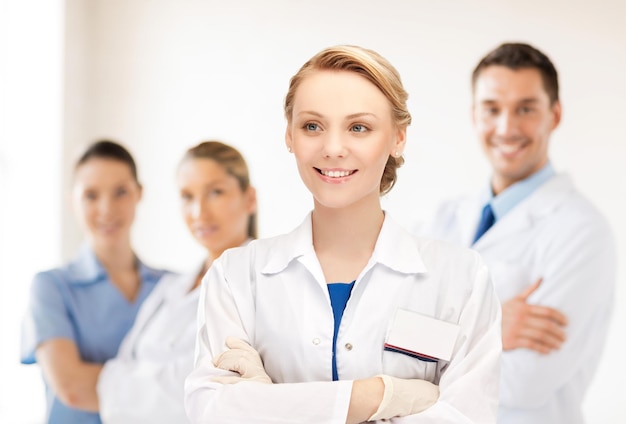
[[401, 365]]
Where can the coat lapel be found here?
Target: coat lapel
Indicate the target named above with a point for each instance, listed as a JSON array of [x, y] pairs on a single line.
[[467, 217], [522, 217]]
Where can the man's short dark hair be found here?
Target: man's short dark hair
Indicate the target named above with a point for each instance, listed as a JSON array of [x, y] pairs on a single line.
[[522, 56]]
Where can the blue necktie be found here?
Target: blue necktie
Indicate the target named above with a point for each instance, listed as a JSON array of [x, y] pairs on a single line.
[[486, 221]]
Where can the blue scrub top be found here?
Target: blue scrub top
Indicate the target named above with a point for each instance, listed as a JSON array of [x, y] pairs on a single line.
[[78, 302], [339, 295]]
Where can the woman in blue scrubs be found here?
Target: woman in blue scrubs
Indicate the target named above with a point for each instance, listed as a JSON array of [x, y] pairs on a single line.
[[79, 313]]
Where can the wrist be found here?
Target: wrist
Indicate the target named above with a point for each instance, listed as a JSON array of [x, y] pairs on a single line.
[[365, 399]]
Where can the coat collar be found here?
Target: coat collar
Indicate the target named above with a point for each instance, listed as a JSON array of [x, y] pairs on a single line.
[[395, 248], [542, 202], [87, 269]]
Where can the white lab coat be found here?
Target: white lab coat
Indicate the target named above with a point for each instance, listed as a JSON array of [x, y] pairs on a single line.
[[144, 382], [273, 294], [556, 234]]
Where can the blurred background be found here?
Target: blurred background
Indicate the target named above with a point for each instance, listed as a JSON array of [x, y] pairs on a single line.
[[162, 75]]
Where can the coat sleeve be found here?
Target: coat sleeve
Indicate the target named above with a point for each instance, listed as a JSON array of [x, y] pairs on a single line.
[[578, 269], [137, 389], [143, 391], [228, 310], [469, 385]]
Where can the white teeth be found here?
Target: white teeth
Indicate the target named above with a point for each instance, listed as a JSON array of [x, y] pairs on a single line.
[[336, 174], [203, 231], [509, 148]]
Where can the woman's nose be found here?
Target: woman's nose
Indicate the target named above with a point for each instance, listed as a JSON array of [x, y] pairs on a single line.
[[334, 144]]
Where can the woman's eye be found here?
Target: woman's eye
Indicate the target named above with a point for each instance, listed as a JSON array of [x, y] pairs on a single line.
[[90, 196], [121, 191], [216, 192], [359, 128], [309, 126]]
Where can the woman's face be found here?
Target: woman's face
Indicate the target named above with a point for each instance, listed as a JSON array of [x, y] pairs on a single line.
[[215, 209], [105, 196], [342, 133]]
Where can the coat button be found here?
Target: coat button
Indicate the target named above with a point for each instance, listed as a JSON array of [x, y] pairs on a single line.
[[348, 346], [316, 341]]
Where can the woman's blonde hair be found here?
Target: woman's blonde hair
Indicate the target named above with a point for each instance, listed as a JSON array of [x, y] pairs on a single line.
[[375, 69], [234, 164]]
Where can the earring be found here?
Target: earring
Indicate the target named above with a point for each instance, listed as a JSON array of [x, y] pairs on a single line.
[[397, 154], [289, 149]]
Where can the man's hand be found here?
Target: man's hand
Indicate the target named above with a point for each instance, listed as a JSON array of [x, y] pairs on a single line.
[[534, 327]]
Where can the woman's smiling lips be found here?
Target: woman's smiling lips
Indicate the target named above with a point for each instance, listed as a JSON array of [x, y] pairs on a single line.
[[203, 231], [335, 175]]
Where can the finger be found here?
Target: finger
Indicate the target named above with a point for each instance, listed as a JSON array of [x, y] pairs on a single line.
[[551, 338], [521, 323], [228, 356], [547, 327], [538, 326], [548, 313], [530, 289], [236, 343], [221, 357], [233, 360], [227, 364], [541, 343], [532, 338], [525, 343]]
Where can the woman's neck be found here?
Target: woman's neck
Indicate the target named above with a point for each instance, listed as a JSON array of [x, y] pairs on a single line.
[[344, 239], [347, 228], [117, 258], [205, 267], [120, 263], [211, 256]]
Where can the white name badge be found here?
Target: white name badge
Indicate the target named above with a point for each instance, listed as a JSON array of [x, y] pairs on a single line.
[[422, 336]]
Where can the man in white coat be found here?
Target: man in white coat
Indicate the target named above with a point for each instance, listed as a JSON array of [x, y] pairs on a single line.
[[551, 253]]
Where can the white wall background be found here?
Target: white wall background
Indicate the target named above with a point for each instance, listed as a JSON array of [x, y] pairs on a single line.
[[31, 109], [163, 75]]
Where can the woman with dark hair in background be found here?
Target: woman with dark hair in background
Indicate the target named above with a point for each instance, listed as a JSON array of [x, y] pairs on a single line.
[[144, 383], [79, 313]]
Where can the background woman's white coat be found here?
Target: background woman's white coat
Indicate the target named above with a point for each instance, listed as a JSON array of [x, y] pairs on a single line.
[[163, 75]]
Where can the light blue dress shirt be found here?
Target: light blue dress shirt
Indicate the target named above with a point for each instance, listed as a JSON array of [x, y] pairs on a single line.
[[78, 302], [513, 195]]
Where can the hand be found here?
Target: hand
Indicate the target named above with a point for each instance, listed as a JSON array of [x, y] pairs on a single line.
[[404, 397], [242, 359], [534, 327]]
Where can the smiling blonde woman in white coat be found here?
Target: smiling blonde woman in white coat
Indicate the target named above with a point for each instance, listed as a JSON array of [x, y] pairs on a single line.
[[144, 382], [348, 318]]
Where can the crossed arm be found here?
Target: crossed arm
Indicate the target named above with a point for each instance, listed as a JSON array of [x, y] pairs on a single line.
[[72, 379], [371, 399], [534, 327]]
